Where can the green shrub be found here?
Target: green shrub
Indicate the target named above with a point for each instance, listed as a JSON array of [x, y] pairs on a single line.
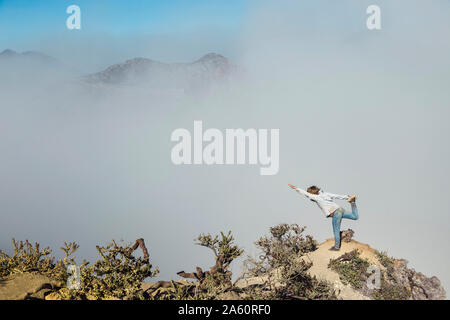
[[385, 260], [116, 275], [30, 258], [210, 284], [391, 290], [351, 268], [282, 264]]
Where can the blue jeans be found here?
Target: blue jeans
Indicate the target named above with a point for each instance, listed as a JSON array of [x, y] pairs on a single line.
[[340, 214]]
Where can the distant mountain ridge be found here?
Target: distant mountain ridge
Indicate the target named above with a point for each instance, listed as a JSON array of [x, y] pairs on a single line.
[[209, 69], [31, 56]]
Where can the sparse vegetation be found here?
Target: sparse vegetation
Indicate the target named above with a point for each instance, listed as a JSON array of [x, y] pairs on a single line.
[[210, 284], [391, 290], [281, 271], [385, 260], [31, 258], [283, 267], [391, 287], [351, 268], [117, 275]]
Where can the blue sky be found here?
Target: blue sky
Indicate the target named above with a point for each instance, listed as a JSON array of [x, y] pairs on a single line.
[[25, 19], [115, 30]]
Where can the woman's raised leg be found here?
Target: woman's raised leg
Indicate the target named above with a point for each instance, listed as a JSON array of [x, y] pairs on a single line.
[[351, 215]]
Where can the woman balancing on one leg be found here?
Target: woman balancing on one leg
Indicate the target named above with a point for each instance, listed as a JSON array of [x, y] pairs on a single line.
[[331, 209]]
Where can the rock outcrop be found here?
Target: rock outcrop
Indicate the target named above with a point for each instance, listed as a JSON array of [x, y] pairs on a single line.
[[355, 272], [397, 280], [26, 286], [420, 286]]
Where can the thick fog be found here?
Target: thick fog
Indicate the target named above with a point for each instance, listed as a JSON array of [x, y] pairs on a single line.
[[359, 111]]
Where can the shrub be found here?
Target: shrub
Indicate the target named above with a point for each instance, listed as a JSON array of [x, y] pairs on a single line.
[[217, 280], [281, 263], [351, 268], [30, 258], [391, 290], [391, 287], [116, 275], [385, 260]]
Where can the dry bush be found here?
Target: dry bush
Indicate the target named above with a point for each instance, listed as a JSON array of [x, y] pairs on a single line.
[[210, 284], [352, 269], [281, 265], [31, 258], [117, 275]]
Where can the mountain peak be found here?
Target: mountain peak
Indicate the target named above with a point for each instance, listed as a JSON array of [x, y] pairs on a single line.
[[9, 53], [33, 56], [210, 68], [212, 57], [137, 60]]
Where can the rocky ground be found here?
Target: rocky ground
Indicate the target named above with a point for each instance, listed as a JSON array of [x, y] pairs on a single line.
[[420, 286], [398, 281], [344, 270]]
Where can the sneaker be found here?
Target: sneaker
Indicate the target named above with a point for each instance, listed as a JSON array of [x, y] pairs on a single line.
[[334, 249], [352, 199]]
